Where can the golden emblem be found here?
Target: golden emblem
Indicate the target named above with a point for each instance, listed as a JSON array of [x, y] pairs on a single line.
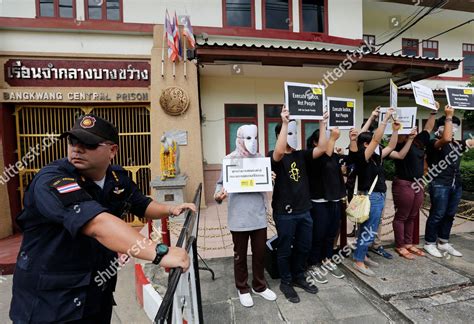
[[174, 101], [87, 122]]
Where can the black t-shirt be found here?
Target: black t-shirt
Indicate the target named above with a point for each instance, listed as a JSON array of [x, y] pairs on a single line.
[[413, 165], [368, 170], [291, 192], [325, 178], [448, 172]]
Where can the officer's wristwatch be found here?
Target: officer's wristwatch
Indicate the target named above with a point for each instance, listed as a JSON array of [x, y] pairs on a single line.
[[161, 250]]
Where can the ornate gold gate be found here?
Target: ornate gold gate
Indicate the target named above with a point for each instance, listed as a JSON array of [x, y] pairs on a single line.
[[38, 128]]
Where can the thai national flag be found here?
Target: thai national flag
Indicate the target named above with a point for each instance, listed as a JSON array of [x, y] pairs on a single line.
[[188, 32], [70, 187], [177, 37], [170, 37]]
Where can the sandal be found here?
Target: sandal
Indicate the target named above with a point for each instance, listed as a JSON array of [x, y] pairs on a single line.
[[404, 253], [416, 251]]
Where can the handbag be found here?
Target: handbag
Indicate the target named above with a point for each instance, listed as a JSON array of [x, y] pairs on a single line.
[[359, 208]]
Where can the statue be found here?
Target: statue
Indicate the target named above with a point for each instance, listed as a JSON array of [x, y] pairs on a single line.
[[169, 157]]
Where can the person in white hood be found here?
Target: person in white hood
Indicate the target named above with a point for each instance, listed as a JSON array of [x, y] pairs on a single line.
[[247, 218]]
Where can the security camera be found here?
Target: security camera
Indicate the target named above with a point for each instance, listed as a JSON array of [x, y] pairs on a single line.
[[205, 36]]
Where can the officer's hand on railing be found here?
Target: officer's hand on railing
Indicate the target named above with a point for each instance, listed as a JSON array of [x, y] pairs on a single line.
[[176, 257], [177, 210]]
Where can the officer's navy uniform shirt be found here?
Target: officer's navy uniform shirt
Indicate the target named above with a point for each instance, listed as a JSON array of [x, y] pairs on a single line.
[[56, 275]]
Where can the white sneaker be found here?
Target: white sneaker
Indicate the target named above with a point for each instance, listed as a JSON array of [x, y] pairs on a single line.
[[267, 294], [246, 299], [449, 248], [431, 249]]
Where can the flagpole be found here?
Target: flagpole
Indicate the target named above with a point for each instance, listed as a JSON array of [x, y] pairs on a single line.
[[163, 56], [174, 69], [185, 57]]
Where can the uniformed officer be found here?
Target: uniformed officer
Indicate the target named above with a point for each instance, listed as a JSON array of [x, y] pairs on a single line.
[[72, 231]]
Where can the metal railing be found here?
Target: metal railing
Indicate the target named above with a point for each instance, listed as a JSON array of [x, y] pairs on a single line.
[[189, 300]]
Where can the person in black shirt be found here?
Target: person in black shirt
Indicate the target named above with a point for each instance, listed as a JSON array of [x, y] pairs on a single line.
[[409, 156], [327, 189], [376, 246], [445, 186], [291, 204], [368, 155]]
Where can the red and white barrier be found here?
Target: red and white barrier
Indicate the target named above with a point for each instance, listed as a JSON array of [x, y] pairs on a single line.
[[147, 296]]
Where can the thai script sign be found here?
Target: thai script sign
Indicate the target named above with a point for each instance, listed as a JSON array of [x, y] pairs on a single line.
[[68, 73]]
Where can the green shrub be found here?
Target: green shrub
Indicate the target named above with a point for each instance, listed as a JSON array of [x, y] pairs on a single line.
[[389, 166], [469, 155], [467, 173]]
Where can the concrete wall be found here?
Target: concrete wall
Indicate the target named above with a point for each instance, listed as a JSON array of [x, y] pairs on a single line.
[[203, 12], [76, 43], [217, 91], [18, 8], [345, 18]]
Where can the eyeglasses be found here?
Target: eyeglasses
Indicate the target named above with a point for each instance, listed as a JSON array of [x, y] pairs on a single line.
[[75, 141]]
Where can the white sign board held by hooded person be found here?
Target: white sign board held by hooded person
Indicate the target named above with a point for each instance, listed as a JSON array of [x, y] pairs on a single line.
[[460, 97], [304, 101], [406, 116], [247, 174], [423, 96]]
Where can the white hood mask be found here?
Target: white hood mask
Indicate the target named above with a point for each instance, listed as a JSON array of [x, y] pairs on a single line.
[[249, 134], [292, 136], [439, 132]]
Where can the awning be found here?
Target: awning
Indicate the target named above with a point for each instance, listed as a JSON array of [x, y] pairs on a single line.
[[401, 68]]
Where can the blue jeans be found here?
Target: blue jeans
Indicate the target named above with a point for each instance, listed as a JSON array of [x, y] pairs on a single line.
[[293, 230], [326, 221], [444, 205], [368, 229]]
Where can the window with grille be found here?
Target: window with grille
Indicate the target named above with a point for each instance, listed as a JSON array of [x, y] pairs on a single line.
[[104, 10], [312, 15], [410, 46], [468, 62], [56, 8], [239, 13], [277, 14], [430, 48]]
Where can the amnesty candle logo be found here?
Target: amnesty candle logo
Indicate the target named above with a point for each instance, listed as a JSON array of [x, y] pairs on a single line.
[[294, 172]]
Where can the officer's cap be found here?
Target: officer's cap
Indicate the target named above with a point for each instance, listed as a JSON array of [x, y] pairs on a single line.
[[91, 129]]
